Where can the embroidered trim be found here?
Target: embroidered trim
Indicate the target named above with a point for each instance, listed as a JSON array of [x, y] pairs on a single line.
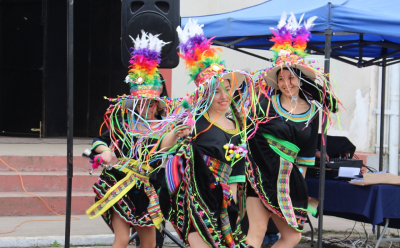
[[121, 188], [237, 179], [293, 117], [220, 170], [306, 161], [230, 131], [98, 143], [284, 199], [283, 148]]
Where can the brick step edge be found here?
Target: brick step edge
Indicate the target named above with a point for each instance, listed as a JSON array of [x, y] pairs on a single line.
[[46, 181], [45, 163], [21, 204]]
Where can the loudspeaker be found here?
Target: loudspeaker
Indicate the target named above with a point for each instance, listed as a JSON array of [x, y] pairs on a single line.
[[155, 17]]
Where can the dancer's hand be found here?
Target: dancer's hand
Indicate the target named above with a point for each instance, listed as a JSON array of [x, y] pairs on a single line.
[[106, 155], [318, 155], [183, 133]]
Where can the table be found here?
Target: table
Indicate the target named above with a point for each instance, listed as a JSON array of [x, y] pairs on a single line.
[[375, 204]]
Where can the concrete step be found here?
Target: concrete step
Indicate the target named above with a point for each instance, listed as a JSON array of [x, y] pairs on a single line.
[[43, 163], [46, 181], [21, 203]]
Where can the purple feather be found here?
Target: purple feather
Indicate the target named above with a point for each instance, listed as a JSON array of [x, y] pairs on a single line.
[[302, 31], [192, 41], [149, 54]]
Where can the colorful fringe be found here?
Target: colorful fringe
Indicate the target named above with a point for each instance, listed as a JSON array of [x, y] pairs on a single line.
[[120, 189]]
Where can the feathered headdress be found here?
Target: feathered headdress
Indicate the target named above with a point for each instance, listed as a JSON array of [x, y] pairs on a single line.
[[289, 49], [144, 78], [291, 39], [201, 59]]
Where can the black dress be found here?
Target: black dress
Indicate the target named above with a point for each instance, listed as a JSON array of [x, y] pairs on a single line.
[[139, 206], [200, 201], [279, 146]]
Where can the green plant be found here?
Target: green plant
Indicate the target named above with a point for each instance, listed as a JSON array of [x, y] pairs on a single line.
[[55, 244]]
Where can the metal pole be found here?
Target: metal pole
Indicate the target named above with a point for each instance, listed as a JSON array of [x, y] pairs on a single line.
[[382, 129], [70, 115], [328, 34]]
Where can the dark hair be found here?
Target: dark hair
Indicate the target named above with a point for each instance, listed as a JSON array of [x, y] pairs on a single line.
[[164, 91], [238, 116], [235, 111]]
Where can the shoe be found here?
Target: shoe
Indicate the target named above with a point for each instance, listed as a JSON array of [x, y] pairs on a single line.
[[266, 246]]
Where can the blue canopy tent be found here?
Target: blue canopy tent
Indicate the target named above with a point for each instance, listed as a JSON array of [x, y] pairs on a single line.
[[358, 32], [360, 29]]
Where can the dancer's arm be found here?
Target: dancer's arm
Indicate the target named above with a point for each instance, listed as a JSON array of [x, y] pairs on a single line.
[[171, 138]]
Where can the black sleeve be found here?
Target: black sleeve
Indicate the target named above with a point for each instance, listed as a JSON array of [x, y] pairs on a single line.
[[306, 155], [103, 139]]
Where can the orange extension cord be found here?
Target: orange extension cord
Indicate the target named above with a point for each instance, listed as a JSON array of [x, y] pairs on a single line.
[[22, 183]]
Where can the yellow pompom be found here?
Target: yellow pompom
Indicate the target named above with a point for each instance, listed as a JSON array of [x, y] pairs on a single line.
[[228, 158], [226, 147], [231, 151], [237, 156]]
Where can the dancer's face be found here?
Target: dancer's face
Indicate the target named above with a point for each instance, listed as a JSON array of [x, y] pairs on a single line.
[[147, 109], [288, 83], [222, 98]]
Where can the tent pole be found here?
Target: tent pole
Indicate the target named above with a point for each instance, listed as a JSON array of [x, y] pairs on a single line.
[[328, 34], [70, 116], [382, 128]]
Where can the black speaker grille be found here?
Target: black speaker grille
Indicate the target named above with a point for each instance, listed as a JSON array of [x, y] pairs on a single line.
[[136, 5], [154, 23], [163, 6]]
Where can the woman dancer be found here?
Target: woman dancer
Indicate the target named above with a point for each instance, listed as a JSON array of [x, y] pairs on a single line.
[[286, 138], [158, 176], [125, 193], [202, 178]]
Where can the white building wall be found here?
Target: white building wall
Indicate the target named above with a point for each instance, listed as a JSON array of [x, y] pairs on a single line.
[[356, 88]]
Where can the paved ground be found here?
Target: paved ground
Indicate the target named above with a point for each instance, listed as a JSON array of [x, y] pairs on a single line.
[[96, 232]]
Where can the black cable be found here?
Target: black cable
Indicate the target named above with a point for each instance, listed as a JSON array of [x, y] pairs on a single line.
[[345, 239]]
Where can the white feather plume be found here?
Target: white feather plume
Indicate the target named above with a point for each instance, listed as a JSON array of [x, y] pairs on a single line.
[[301, 18], [292, 22], [282, 22], [152, 41], [191, 29], [310, 22], [148, 40], [144, 42]]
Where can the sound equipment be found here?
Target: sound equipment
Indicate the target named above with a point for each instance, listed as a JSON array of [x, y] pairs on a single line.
[[155, 17], [336, 163], [332, 167]]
